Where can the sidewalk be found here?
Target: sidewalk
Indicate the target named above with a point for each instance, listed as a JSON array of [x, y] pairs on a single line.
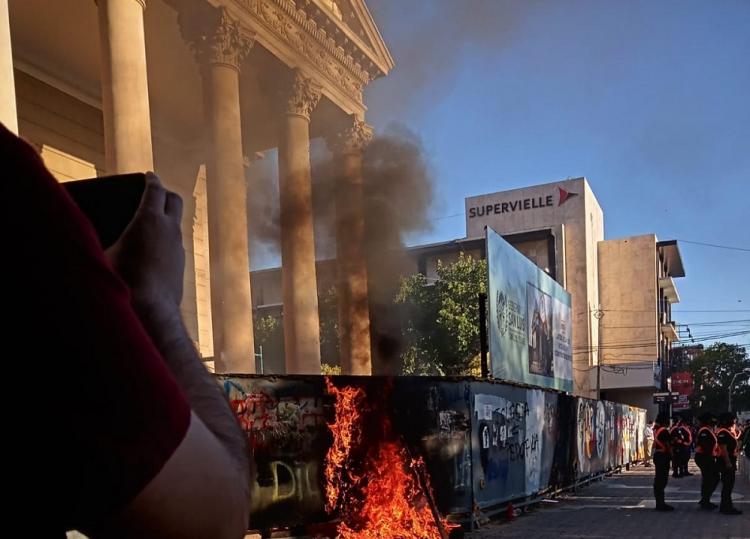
[[622, 506]]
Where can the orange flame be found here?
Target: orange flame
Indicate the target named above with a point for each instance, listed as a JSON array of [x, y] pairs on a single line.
[[394, 505], [387, 499], [346, 430]]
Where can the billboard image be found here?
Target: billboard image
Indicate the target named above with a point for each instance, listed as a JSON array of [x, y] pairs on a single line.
[[682, 383], [539, 317], [530, 330]]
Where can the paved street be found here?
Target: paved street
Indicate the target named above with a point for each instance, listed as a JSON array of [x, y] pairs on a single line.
[[623, 506]]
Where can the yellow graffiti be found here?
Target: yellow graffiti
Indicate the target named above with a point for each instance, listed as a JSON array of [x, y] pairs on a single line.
[[300, 483]]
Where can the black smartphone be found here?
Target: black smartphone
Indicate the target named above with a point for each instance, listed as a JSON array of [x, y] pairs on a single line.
[[109, 202]]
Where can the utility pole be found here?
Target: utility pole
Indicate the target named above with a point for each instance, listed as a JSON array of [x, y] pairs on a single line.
[[483, 345], [599, 314]]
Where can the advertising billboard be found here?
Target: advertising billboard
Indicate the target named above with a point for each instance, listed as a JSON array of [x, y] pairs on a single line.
[[530, 332], [682, 383]]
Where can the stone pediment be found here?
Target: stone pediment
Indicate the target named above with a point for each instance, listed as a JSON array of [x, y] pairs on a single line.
[[335, 40], [355, 22]]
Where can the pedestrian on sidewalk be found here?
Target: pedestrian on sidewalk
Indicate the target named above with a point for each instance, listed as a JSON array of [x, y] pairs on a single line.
[[648, 443], [706, 453], [727, 460], [662, 456]]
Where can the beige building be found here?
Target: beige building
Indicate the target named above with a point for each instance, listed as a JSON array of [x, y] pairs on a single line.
[[568, 224], [622, 289], [193, 89], [636, 331]]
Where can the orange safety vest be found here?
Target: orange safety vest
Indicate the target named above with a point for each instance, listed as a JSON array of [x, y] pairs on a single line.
[[729, 431], [659, 446], [716, 450]]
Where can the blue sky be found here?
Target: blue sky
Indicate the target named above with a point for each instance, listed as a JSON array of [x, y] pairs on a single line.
[[649, 100]]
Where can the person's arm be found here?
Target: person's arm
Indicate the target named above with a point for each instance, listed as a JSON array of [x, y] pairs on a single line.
[[197, 494], [203, 393], [704, 442], [666, 439], [150, 258], [123, 455], [723, 451]]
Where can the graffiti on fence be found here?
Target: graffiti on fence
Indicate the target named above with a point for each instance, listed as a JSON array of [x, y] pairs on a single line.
[[483, 443]]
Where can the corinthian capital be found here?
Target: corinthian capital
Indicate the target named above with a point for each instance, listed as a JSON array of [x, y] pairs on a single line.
[[352, 139], [215, 37], [302, 96]]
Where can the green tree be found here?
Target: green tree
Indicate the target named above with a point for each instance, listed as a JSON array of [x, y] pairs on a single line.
[[269, 340], [329, 331], [441, 328], [713, 370], [269, 334]]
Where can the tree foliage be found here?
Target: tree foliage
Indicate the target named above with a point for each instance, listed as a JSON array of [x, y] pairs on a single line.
[[269, 341], [441, 318], [713, 370], [329, 327]]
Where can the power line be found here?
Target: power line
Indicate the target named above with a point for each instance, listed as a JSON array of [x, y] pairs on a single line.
[[693, 242], [717, 323], [728, 247], [451, 216], [683, 327], [674, 311], [711, 311], [629, 345]]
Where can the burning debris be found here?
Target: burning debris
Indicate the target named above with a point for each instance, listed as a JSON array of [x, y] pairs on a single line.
[[377, 487], [346, 431]]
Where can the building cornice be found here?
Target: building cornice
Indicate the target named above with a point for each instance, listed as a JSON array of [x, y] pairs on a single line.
[[296, 29]]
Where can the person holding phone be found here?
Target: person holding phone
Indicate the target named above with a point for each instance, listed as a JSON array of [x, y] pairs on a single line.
[[115, 427]]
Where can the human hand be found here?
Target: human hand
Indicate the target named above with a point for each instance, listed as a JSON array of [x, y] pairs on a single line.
[[149, 255]]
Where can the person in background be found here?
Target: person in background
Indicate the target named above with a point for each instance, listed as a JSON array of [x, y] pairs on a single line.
[[125, 434], [745, 444], [727, 462], [745, 439], [648, 443], [662, 456], [681, 441], [687, 449], [706, 453]]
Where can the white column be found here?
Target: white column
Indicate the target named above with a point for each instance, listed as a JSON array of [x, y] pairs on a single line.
[[298, 275], [8, 114], [127, 120], [220, 44], [353, 298]]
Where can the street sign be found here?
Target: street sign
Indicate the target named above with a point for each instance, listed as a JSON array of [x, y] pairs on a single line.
[[682, 403], [666, 397]]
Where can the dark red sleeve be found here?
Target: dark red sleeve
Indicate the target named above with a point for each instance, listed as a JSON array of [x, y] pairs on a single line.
[[98, 413]]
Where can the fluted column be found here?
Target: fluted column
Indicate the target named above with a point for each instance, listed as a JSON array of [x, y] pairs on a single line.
[[353, 302], [127, 120], [220, 44], [299, 283]]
